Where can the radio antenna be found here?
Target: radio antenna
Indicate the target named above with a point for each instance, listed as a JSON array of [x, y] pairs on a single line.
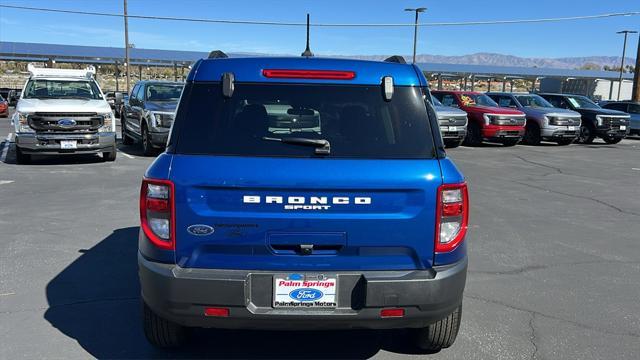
[[307, 52]]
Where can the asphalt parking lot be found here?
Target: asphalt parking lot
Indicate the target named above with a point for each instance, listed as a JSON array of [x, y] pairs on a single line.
[[554, 262]]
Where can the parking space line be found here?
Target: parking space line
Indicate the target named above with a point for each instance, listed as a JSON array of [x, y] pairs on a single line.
[[5, 150], [127, 155]]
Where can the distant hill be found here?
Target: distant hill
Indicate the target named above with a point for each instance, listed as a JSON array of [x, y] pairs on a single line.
[[510, 60]]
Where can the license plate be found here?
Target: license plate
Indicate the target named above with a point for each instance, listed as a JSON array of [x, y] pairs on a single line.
[[68, 144], [623, 127], [453, 128], [304, 291], [571, 128]]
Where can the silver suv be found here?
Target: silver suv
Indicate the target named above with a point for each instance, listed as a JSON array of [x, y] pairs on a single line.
[[453, 124], [544, 121], [63, 111]]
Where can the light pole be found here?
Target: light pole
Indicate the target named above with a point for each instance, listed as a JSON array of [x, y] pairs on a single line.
[[415, 29], [126, 45], [624, 51]]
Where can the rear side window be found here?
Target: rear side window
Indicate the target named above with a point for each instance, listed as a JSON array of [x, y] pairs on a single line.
[[355, 120]]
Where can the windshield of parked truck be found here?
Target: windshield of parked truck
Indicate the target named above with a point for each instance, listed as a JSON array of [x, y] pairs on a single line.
[[582, 102], [477, 100], [436, 102], [61, 89], [164, 92], [290, 120], [534, 101]]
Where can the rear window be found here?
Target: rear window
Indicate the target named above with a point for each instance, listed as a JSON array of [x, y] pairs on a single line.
[[355, 120]]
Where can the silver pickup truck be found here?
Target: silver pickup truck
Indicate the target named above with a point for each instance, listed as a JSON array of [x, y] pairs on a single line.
[[63, 111], [544, 121], [453, 124]]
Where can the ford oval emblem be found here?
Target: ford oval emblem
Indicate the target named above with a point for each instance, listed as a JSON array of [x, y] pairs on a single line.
[[200, 230], [66, 122], [306, 294]]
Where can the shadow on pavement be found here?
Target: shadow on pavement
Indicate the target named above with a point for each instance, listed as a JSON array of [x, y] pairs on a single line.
[[95, 300]]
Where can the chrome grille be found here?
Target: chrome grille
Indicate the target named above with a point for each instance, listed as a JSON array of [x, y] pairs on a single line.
[[452, 120], [44, 121]]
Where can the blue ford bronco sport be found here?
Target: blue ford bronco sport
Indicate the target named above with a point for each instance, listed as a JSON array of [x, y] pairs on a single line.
[[303, 193]]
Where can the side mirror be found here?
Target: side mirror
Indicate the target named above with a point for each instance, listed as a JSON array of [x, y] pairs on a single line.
[[119, 98]]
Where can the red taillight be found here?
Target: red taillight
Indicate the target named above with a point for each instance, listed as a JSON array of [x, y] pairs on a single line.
[[157, 212], [309, 74], [452, 216], [216, 312], [391, 313]]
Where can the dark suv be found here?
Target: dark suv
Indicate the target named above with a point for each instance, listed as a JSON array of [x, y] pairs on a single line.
[[302, 194], [149, 113], [610, 125], [630, 107]]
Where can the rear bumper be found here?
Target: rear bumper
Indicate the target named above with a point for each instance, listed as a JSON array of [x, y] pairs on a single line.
[[49, 144], [181, 295]]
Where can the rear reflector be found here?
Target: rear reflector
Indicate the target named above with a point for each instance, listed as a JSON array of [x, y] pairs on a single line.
[[385, 313], [216, 312], [309, 74]]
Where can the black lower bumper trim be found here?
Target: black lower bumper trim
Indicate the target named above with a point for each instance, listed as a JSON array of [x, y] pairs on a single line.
[[181, 295]]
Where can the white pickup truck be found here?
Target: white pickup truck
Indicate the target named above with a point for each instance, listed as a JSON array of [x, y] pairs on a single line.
[[63, 111]]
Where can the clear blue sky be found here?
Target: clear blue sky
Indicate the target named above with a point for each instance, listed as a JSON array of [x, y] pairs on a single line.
[[576, 38]]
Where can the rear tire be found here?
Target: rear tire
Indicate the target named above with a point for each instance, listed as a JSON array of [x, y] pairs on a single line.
[[587, 134], [109, 156], [441, 334], [474, 135], [160, 332], [22, 158], [532, 134]]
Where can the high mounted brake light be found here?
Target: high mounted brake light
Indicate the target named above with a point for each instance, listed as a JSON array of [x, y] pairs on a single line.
[[452, 216], [309, 74], [157, 212]]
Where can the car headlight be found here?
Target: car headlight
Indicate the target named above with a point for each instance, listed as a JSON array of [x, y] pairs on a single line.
[[599, 120], [109, 122], [21, 122], [161, 119]]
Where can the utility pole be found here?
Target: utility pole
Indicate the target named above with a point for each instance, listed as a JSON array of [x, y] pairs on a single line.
[[636, 77], [415, 29], [624, 51], [126, 46]]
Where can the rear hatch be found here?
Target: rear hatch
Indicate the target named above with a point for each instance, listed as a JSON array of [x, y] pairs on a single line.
[[368, 203]]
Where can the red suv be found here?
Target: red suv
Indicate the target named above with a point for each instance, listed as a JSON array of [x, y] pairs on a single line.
[[487, 121]]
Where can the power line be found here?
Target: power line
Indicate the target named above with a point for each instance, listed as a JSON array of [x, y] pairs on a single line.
[[284, 23]]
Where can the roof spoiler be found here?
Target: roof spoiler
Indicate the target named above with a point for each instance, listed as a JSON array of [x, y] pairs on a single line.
[[217, 54], [396, 59]]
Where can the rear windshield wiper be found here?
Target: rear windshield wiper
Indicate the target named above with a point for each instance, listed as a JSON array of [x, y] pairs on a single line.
[[323, 147]]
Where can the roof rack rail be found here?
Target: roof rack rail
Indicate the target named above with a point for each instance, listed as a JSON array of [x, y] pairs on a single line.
[[217, 54], [396, 59]]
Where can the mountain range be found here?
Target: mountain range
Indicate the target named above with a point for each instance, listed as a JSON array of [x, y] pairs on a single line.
[[510, 60]]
